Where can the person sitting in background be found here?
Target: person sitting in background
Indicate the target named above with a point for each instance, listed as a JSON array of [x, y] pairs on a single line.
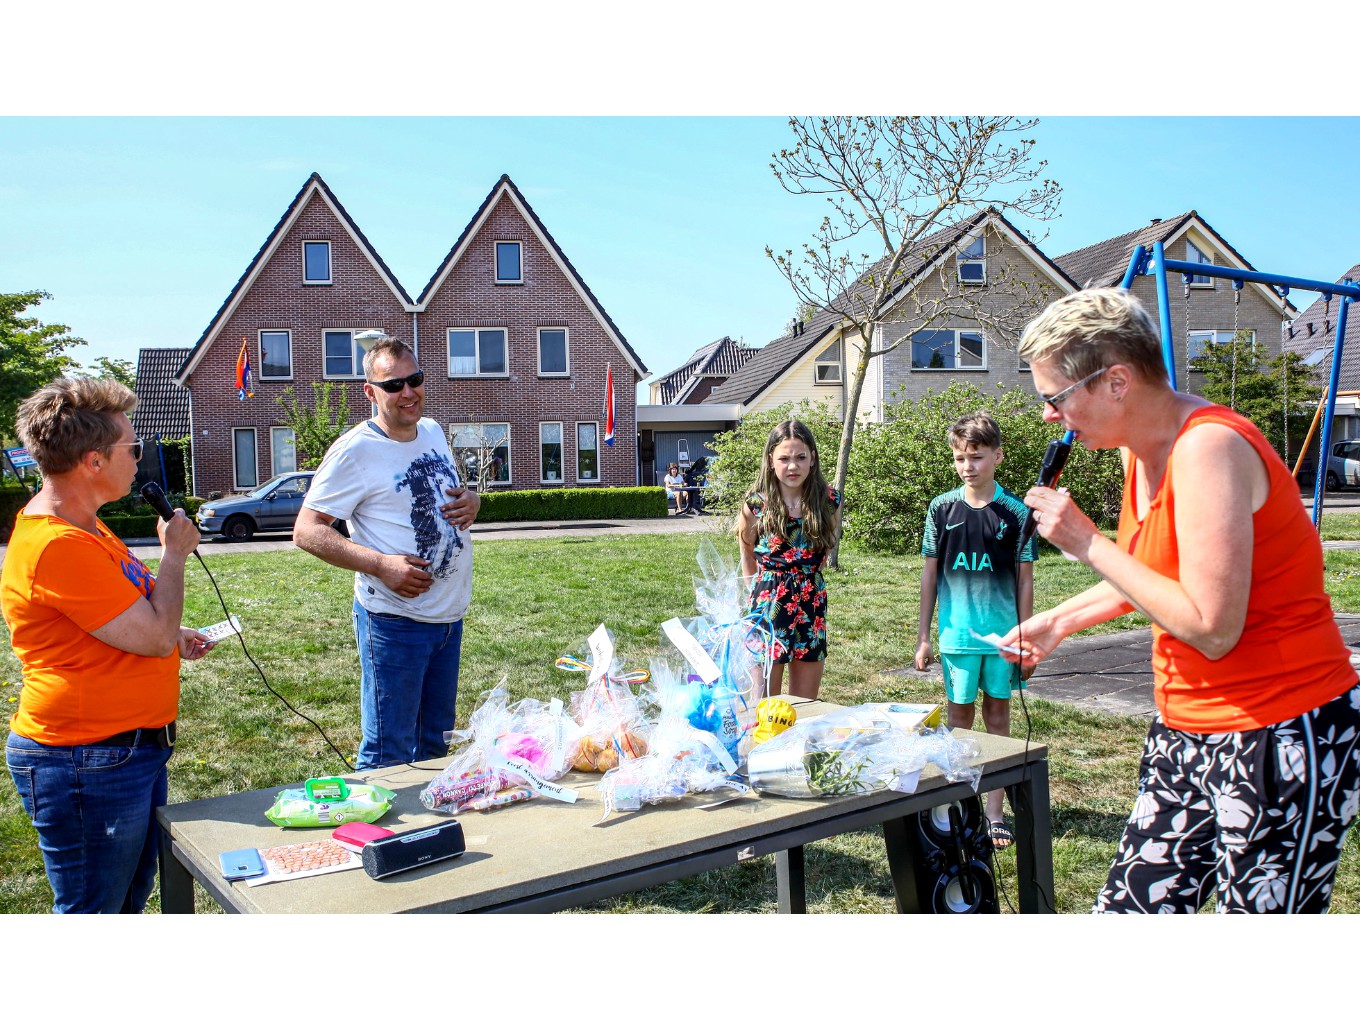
[[674, 482], [99, 640]]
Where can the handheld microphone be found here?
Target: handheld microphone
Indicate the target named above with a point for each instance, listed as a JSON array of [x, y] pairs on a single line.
[[155, 496], [1055, 459]]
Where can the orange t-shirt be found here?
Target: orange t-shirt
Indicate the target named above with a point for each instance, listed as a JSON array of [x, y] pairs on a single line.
[[58, 583], [1291, 657]]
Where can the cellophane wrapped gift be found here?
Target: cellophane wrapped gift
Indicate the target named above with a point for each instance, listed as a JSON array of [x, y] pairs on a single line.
[[501, 740], [857, 750], [611, 721], [682, 758], [738, 644]]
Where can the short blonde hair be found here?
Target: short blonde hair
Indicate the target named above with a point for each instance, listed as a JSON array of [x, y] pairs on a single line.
[[1093, 329], [69, 417]]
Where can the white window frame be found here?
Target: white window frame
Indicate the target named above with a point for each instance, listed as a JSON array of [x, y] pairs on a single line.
[[481, 426], [966, 259], [275, 435], [580, 480], [259, 346], [1211, 336], [496, 263], [330, 266], [235, 468], [477, 332], [958, 332], [1204, 259], [566, 351], [543, 478], [828, 359], [356, 351]]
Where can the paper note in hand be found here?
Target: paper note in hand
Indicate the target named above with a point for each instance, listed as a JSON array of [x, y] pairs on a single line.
[[995, 641]]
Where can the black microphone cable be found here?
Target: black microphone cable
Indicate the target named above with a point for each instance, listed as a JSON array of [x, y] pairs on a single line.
[[152, 493], [1055, 459]]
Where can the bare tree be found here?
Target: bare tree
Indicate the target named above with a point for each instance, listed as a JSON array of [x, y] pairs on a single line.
[[908, 190]]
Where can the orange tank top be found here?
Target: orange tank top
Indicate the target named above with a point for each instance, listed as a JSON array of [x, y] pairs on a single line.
[[1291, 657]]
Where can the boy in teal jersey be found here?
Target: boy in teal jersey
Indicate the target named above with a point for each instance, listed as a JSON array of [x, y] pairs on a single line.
[[971, 567]]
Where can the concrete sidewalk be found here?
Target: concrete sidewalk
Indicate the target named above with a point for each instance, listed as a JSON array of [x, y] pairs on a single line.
[[1113, 672]]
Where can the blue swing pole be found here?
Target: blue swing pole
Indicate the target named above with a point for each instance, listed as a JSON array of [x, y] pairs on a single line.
[[1137, 265], [1325, 447], [1164, 313]]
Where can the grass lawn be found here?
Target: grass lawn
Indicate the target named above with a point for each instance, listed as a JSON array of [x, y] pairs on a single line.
[[534, 600]]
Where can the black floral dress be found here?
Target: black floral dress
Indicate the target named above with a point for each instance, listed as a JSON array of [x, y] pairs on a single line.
[[789, 590]]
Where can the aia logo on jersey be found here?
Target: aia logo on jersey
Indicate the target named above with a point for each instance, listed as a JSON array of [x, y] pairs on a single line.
[[972, 561]]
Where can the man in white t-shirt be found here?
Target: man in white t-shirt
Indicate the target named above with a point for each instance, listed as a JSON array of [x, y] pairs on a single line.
[[411, 556]]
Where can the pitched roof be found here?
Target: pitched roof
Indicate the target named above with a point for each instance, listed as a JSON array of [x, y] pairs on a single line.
[[722, 358], [162, 407], [314, 185], [776, 357], [506, 186], [1320, 341], [1104, 264]]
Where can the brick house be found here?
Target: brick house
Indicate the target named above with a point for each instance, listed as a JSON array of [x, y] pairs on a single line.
[[1009, 278], [963, 284], [1212, 306], [514, 345]]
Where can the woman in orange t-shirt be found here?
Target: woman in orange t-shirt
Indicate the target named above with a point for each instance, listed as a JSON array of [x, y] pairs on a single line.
[[100, 642], [1251, 770]]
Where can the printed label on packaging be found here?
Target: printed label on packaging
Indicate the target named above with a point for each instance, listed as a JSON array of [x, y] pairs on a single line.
[[499, 761], [711, 742], [601, 652], [692, 651]]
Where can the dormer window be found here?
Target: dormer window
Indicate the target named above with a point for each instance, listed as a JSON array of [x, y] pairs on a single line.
[[973, 262], [316, 262], [508, 266]]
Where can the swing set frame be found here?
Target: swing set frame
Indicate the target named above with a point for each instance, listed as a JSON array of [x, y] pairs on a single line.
[[1155, 262]]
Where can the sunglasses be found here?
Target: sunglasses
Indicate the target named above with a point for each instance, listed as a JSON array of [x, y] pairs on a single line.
[[136, 448], [415, 380], [1056, 400]]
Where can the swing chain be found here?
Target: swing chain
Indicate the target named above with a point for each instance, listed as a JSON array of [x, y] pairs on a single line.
[[1237, 304], [1186, 302], [1284, 358]]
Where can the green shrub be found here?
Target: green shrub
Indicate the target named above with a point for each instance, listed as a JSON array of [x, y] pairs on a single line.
[[11, 502], [899, 465], [572, 504], [131, 525]]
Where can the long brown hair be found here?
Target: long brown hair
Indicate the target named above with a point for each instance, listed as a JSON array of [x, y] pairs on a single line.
[[819, 513]]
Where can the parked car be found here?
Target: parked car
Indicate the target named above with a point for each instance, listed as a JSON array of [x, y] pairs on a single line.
[[273, 506], [1343, 466]]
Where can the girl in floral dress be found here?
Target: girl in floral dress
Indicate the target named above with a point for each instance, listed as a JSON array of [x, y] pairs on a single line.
[[788, 521]]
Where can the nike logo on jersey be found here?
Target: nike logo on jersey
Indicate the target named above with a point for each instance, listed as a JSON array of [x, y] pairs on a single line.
[[951, 527]]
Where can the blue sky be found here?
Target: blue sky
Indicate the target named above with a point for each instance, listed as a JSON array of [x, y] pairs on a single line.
[[143, 169], [140, 226]]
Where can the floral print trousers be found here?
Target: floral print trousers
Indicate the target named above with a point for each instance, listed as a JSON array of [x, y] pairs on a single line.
[[1256, 818]]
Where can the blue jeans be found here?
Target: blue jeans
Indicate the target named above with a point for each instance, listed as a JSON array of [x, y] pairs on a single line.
[[95, 811], [409, 689]]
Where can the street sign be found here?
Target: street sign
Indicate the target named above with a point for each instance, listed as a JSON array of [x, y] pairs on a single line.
[[20, 457]]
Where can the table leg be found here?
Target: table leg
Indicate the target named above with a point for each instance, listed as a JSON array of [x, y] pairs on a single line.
[[1034, 839], [788, 869], [177, 885], [901, 849]]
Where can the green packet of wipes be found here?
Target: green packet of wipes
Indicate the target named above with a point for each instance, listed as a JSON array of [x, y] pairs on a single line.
[[293, 809]]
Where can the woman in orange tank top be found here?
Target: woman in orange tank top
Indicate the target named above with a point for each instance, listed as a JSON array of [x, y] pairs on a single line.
[[1251, 771]]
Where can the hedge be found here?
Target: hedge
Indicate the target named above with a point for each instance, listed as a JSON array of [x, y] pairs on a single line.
[[131, 525], [572, 504]]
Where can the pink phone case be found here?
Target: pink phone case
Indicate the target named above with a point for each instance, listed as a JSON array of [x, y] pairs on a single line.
[[356, 834]]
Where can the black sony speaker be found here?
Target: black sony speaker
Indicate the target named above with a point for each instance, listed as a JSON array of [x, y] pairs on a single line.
[[411, 849], [954, 860]]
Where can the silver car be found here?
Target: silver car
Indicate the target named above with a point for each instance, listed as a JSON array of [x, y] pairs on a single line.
[[273, 506], [1343, 466]]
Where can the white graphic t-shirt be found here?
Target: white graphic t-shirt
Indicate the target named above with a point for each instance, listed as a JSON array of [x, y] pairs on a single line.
[[390, 493]]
